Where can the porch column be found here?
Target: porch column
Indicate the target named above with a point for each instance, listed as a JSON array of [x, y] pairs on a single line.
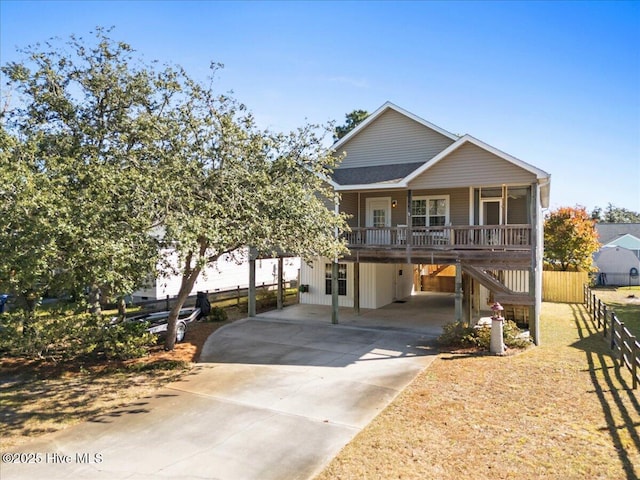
[[466, 298], [334, 292], [334, 266], [356, 288], [251, 294], [280, 299], [409, 240], [458, 294], [535, 271], [475, 312]]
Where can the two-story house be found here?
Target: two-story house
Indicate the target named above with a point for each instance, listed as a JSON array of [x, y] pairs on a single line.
[[416, 195]]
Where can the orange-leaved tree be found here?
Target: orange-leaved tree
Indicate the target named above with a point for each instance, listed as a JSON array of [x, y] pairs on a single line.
[[570, 238]]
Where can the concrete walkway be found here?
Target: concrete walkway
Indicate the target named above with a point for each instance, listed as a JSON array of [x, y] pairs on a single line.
[[272, 399]]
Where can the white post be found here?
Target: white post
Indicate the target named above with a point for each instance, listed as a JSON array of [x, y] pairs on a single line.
[[497, 344], [497, 321]]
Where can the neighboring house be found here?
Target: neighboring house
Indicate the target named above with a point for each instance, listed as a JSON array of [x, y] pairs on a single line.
[[610, 232], [618, 260], [627, 241], [229, 272], [418, 195], [616, 266]]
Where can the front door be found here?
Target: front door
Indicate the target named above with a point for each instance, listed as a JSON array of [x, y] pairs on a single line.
[[491, 214], [491, 211], [379, 220]]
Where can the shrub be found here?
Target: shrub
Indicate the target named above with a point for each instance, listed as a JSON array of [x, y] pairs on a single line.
[[459, 334], [44, 336], [59, 336], [482, 337], [218, 314], [268, 299], [126, 340], [512, 336]]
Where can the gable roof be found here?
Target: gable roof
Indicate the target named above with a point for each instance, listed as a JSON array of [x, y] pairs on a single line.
[[400, 175], [627, 241], [609, 232], [390, 106], [540, 174], [612, 253]]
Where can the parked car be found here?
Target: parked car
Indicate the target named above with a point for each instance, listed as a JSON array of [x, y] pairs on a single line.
[[158, 321]]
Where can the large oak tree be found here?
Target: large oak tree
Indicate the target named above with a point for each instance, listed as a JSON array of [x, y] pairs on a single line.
[[113, 159], [78, 169]]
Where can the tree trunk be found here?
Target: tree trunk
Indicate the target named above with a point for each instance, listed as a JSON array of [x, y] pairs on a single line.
[[30, 302], [122, 308], [94, 300], [188, 281], [189, 276]]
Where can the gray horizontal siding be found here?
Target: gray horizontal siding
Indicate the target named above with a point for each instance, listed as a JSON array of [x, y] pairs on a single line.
[[349, 205], [470, 165], [458, 207], [398, 214], [393, 139], [458, 203]]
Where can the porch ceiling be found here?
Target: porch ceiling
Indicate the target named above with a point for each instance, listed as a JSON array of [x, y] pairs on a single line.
[[503, 260]]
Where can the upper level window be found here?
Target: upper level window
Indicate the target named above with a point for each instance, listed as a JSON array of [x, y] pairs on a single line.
[[432, 211]]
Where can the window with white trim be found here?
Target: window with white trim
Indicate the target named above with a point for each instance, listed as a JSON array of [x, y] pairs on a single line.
[[432, 211]]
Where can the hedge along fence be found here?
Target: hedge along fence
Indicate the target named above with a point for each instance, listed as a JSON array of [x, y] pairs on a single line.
[[626, 349], [563, 287]]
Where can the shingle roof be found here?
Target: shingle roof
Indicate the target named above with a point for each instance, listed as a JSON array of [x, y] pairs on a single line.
[[626, 241], [374, 174], [609, 232]]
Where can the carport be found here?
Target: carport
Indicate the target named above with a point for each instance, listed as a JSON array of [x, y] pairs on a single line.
[[424, 312]]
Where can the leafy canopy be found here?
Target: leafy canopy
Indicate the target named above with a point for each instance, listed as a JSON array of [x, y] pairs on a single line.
[[614, 214], [84, 139], [228, 185], [110, 159], [353, 119], [570, 238]]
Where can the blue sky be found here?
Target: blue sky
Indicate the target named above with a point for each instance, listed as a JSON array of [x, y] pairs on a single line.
[[555, 84]]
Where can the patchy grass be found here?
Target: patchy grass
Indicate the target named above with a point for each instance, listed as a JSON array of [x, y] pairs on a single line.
[[625, 301], [39, 397], [558, 411]]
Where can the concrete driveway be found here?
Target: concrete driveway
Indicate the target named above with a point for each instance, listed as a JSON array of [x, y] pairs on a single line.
[[272, 399]]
